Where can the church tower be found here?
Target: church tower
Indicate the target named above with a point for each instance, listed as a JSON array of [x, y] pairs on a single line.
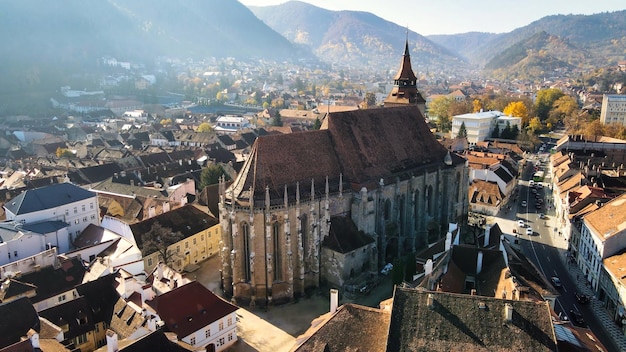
[[404, 91]]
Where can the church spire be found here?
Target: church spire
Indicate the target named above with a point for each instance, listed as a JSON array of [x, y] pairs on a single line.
[[404, 91]]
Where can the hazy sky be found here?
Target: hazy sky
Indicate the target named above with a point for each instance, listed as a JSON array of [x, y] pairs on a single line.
[[461, 16]]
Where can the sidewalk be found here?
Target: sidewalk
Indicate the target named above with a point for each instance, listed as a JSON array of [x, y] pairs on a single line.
[[578, 278]]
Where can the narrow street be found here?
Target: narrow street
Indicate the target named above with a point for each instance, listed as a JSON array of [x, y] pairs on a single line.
[[547, 248]]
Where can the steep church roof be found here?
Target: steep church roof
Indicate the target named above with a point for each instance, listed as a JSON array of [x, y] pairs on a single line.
[[362, 145], [378, 143]]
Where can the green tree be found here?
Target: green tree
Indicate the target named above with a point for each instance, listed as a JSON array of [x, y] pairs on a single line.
[[507, 133], [462, 131], [277, 120], [369, 101], [514, 132], [211, 174], [496, 132], [317, 124], [205, 127], [159, 239]]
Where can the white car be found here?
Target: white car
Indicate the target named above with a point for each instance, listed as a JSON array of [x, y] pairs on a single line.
[[529, 231], [524, 203], [520, 223]]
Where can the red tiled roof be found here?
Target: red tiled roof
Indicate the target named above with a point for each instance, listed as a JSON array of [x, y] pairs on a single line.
[[190, 308]]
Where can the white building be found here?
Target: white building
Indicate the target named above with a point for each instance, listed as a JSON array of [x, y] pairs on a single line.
[[603, 234], [613, 109], [479, 125], [65, 202], [18, 242], [230, 124]]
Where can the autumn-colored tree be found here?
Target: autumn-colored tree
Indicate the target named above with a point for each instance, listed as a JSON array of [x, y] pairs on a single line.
[[535, 125], [63, 153], [545, 99], [439, 108], [459, 108], [166, 122], [615, 130], [517, 109], [205, 127], [563, 108], [594, 128], [477, 105]]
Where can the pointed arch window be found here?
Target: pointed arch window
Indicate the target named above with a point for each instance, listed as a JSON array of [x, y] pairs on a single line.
[[245, 235], [277, 264], [387, 210], [304, 223]]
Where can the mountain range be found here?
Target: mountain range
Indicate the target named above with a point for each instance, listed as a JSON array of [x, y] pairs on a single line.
[[39, 36], [352, 37]]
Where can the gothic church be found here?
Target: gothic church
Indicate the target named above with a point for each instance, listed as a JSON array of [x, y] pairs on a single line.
[[324, 206]]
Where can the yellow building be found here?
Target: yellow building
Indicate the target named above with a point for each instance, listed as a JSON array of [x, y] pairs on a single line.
[[201, 234]]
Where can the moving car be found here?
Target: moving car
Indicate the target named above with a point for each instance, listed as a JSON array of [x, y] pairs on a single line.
[[542, 215], [556, 282], [581, 298], [529, 231], [520, 223], [576, 318]]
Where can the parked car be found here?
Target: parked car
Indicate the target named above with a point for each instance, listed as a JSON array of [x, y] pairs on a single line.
[[581, 298], [556, 282], [524, 203], [576, 318]]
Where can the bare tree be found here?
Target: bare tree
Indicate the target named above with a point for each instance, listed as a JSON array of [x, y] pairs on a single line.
[[159, 239]]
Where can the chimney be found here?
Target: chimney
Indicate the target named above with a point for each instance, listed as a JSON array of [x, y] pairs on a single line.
[[334, 300], [430, 301], [473, 292], [33, 336], [508, 312], [428, 267], [111, 341]]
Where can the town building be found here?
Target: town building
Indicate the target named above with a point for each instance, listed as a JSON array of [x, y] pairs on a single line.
[[423, 320], [480, 125], [197, 316], [50, 216], [613, 109], [380, 173], [200, 232], [602, 235]]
